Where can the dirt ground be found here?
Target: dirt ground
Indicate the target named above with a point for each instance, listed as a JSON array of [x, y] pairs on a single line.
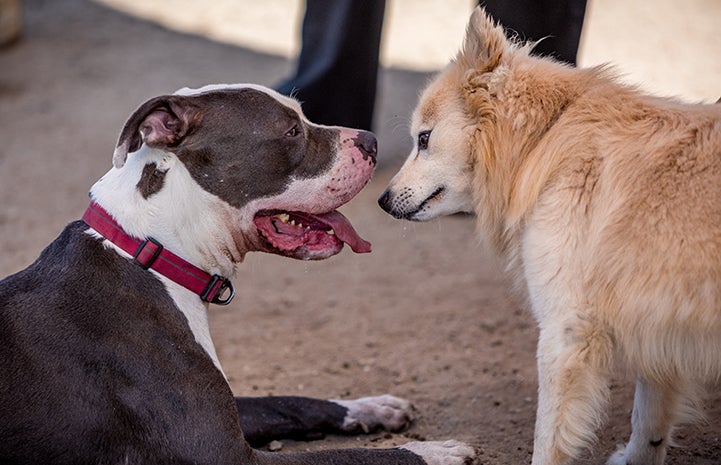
[[427, 316]]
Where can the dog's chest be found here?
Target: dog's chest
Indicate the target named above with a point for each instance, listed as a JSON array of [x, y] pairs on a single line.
[[196, 314]]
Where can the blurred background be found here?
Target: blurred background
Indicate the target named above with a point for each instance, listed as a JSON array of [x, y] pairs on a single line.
[[668, 47]]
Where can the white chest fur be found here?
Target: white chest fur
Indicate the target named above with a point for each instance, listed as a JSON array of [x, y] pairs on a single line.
[[196, 312]]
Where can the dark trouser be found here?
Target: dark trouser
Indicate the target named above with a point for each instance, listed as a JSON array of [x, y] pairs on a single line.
[[338, 64], [559, 21], [337, 69]]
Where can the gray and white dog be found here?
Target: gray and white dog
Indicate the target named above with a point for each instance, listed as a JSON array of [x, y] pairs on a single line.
[[106, 356]]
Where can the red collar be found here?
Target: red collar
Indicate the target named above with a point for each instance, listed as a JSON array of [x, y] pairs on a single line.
[[151, 254]]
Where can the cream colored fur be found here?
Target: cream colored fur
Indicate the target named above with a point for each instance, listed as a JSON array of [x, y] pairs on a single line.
[[606, 205]]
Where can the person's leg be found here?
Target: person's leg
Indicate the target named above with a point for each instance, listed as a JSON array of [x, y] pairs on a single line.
[[337, 69], [557, 22]]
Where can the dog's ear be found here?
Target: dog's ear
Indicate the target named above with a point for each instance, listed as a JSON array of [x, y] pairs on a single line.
[[161, 122], [484, 45]]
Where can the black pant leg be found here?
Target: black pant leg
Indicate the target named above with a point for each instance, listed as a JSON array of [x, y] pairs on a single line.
[[558, 22], [337, 69]]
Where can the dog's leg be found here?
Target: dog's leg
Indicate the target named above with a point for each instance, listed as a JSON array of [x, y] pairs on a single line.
[[655, 410], [287, 417], [573, 360], [412, 453]]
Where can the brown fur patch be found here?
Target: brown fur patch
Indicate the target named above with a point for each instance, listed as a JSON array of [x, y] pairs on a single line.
[[151, 181]]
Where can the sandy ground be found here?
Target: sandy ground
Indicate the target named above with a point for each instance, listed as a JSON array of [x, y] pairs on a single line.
[[427, 315]]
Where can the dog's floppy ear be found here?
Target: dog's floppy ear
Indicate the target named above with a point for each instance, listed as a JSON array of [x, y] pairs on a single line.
[[484, 45], [161, 122]]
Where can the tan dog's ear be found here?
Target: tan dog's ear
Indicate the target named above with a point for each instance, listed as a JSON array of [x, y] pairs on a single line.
[[484, 45], [161, 122]]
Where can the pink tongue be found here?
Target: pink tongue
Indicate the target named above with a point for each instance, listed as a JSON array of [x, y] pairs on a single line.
[[344, 231]]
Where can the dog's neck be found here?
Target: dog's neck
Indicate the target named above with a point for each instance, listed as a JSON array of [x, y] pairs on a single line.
[[179, 214], [518, 139], [190, 225]]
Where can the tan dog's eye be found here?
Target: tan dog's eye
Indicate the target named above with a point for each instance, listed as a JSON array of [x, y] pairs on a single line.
[[423, 140]]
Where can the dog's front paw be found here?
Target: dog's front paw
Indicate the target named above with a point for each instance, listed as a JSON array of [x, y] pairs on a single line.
[[618, 457], [373, 413], [442, 452], [649, 453]]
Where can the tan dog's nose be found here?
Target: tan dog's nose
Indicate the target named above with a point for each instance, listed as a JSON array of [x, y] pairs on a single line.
[[384, 201]]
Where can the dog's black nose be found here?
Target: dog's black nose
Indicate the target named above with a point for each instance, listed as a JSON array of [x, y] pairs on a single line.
[[366, 141], [384, 201]]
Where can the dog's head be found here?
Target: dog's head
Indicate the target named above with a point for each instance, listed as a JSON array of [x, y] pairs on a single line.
[[223, 170], [448, 127]]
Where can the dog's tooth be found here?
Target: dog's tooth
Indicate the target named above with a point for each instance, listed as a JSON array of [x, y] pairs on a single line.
[[330, 232], [284, 217], [292, 222], [300, 225]]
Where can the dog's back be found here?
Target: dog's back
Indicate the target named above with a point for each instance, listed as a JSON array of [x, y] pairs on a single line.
[[653, 233], [73, 377], [631, 184]]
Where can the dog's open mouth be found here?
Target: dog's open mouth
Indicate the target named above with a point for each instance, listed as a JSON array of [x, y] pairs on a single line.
[[316, 236]]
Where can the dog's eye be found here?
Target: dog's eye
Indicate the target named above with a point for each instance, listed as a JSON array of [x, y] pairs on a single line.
[[292, 132], [423, 140]]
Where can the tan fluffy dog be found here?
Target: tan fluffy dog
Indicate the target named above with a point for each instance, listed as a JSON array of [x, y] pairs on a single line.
[[606, 205]]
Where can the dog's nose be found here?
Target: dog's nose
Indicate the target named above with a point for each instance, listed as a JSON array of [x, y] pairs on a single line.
[[384, 201], [366, 141]]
